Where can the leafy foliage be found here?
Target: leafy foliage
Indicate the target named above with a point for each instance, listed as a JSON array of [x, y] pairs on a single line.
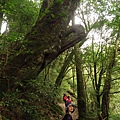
[[20, 15]]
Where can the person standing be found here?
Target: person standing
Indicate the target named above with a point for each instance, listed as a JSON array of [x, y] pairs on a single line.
[[69, 110]]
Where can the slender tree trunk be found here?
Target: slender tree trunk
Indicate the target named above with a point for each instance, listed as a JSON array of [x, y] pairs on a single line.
[[106, 90], [108, 81], [106, 98], [80, 86], [63, 70], [81, 99]]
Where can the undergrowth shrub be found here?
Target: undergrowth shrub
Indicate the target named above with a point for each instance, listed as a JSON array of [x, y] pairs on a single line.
[[32, 100]]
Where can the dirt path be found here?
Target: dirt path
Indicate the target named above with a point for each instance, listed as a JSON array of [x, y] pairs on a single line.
[[74, 114]]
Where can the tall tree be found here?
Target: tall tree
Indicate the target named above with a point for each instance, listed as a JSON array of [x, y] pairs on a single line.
[[49, 37], [108, 80], [80, 86]]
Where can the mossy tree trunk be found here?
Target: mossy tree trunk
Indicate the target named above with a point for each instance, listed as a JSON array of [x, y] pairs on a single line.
[[49, 37]]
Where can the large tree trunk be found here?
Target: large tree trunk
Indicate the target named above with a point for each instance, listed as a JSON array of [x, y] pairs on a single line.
[[49, 37]]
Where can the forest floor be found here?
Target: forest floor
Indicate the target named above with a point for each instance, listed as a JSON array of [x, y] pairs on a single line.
[[74, 114]]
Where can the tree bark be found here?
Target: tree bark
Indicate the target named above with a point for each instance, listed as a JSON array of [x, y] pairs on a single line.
[[80, 87], [49, 37], [108, 81], [106, 89]]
